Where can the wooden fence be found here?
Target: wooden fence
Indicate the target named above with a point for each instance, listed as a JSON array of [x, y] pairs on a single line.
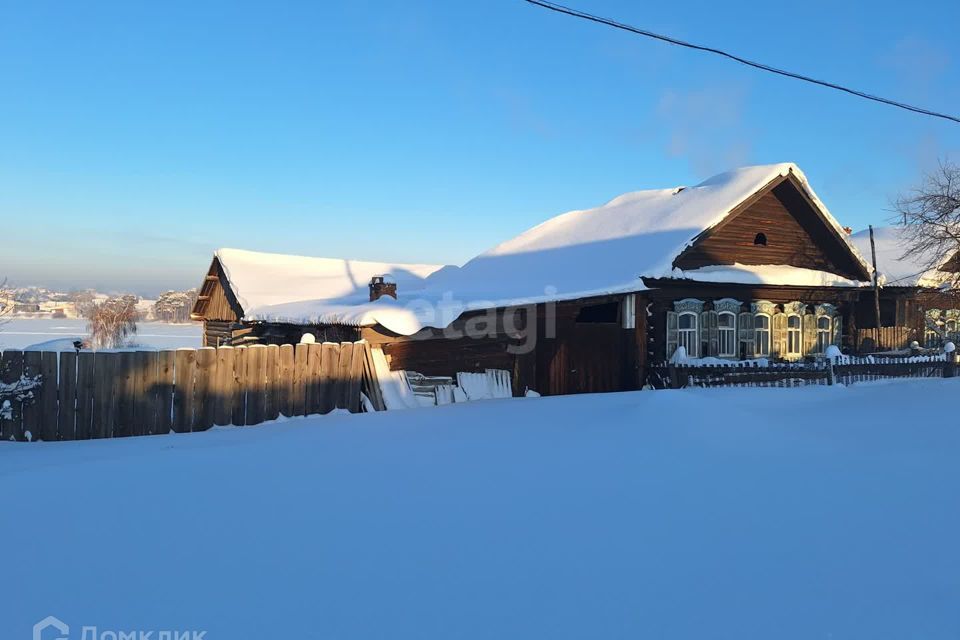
[[849, 370], [128, 393], [885, 339]]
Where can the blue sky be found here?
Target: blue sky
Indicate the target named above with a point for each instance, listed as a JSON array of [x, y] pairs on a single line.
[[137, 137]]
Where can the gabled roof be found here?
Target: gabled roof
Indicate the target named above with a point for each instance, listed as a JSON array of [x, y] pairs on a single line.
[[640, 234], [895, 269], [256, 281], [608, 249]]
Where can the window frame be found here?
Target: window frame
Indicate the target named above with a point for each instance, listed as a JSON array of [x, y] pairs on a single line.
[[733, 335], [693, 348], [756, 335], [794, 336], [821, 344]]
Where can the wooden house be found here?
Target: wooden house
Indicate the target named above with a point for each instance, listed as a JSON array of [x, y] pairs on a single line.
[[748, 264], [917, 302]]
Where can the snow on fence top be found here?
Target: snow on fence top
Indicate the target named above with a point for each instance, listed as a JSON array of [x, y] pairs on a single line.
[[582, 253]]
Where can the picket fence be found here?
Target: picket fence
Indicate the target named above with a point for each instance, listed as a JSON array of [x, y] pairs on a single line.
[[109, 394], [847, 370]]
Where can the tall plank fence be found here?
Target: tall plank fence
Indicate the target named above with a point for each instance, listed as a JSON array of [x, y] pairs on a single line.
[[110, 394]]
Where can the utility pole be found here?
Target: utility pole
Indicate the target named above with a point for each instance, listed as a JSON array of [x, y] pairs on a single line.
[[876, 283]]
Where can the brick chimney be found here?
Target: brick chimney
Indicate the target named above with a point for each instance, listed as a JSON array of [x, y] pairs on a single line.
[[382, 286]]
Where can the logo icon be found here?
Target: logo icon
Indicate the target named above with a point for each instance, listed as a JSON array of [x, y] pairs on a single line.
[[51, 621]]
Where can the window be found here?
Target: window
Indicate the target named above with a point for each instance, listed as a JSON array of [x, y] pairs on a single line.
[[760, 240], [951, 329], [727, 334], [687, 333], [761, 334], [794, 336], [823, 334]]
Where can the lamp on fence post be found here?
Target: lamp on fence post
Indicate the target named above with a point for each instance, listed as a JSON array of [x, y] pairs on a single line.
[[950, 354]]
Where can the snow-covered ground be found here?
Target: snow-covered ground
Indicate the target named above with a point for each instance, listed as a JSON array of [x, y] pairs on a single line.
[[24, 332], [730, 513]]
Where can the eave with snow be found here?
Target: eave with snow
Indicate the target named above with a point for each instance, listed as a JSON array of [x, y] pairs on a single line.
[[746, 264]]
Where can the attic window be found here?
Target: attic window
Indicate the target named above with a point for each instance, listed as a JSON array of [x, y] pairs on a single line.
[[760, 240]]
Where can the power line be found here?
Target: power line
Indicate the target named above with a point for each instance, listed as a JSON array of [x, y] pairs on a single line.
[[756, 65]]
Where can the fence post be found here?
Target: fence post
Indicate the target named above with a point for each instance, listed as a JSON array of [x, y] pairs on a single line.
[[674, 378], [950, 355]]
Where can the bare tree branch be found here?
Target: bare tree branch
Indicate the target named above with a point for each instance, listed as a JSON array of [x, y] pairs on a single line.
[[113, 321], [930, 219]]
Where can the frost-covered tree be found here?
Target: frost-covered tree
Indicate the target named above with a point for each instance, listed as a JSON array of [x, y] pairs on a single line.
[[84, 302], [112, 322], [7, 303], [930, 217], [174, 306]]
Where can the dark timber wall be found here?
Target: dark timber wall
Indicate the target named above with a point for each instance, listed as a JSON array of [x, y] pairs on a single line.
[[794, 231], [573, 352]]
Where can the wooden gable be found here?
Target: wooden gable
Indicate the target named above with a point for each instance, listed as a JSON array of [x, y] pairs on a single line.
[[216, 300], [779, 225]]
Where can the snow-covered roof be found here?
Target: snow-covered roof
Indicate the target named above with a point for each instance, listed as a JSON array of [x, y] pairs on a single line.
[[604, 250], [270, 286], [609, 248], [895, 269]]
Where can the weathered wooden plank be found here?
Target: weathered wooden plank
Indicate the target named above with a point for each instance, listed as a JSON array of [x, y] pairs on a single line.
[[286, 369], [203, 401], [225, 387], [83, 422], [239, 411], [327, 387], [356, 377], [301, 372], [31, 408], [313, 379], [11, 368], [166, 370], [372, 384], [135, 383], [272, 382], [342, 393], [184, 374], [255, 378], [125, 393], [67, 396], [148, 409], [103, 398], [49, 369]]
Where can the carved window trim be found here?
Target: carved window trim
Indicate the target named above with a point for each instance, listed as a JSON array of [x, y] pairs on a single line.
[[825, 309], [727, 305], [688, 305], [764, 307], [795, 308]]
